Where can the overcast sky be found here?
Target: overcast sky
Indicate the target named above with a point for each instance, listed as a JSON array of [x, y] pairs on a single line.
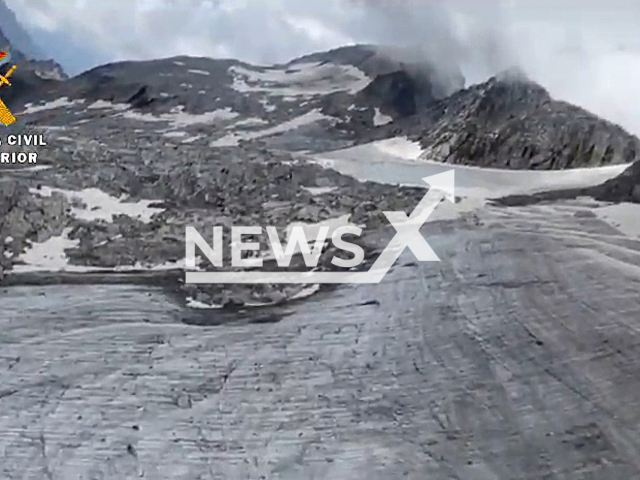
[[583, 51]]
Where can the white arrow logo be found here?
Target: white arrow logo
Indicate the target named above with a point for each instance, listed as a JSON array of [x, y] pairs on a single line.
[[407, 235]]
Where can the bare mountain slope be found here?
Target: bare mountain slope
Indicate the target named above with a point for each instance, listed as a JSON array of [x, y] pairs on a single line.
[[336, 99]]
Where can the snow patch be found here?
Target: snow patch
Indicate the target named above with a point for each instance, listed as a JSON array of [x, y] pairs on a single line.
[[301, 80], [400, 147], [102, 104], [99, 205], [58, 103], [55, 128], [48, 256], [178, 118], [306, 292], [250, 122], [198, 72], [192, 139], [35, 168], [319, 190], [268, 107], [308, 118], [174, 134], [193, 303], [380, 118]]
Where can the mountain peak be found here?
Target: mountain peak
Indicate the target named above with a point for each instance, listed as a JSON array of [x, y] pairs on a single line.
[[510, 121]]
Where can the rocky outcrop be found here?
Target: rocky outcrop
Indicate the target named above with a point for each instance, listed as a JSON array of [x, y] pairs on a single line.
[[26, 218], [396, 93], [30, 81], [192, 186], [624, 188], [511, 122]]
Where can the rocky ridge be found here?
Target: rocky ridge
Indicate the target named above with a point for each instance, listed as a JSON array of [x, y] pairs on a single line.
[[511, 122], [625, 188]]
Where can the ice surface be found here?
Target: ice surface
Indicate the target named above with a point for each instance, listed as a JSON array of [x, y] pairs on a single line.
[[401, 161]]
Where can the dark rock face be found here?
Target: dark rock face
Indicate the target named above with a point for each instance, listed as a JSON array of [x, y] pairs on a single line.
[[30, 80], [394, 92], [625, 188], [514, 123], [140, 98]]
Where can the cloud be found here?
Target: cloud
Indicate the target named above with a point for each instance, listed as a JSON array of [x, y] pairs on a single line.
[[584, 51], [258, 31]]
